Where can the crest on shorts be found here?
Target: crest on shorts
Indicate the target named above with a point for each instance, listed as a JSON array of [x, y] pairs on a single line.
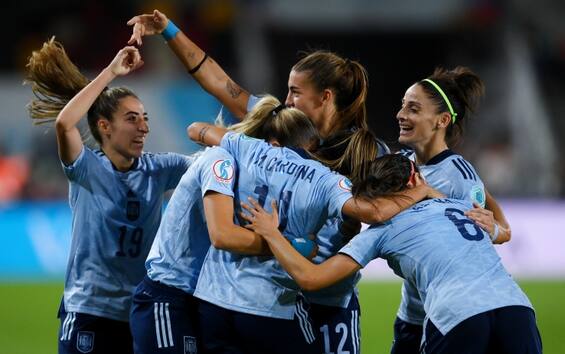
[[190, 345], [85, 341], [223, 170]]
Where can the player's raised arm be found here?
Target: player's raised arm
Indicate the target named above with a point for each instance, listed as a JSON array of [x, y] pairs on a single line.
[[203, 68], [61, 91], [68, 137]]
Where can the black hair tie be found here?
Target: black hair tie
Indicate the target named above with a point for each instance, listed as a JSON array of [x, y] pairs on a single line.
[[277, 109]]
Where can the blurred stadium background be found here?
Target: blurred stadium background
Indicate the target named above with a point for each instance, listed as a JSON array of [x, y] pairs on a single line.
[[514, 140]]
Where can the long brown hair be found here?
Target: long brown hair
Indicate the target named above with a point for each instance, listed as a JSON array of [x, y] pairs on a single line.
[[55, 80], [347, 79]]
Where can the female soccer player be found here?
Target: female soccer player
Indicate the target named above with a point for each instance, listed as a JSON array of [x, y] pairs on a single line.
[[164, 314], [115, 193], [332, 92], [472, 305], [261, 301], [431, 119]]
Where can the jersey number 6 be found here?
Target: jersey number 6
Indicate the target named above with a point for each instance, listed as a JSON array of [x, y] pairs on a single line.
[[462, 224]]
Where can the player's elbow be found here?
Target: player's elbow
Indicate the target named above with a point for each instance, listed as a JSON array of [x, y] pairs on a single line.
[[504, 237], [218, 240], [221, 237], [194, 129], [61, 125], [308, 282]]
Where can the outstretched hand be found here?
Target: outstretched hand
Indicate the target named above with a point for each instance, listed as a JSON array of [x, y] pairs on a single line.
[[147, 25], [127, 60], [260, 221]]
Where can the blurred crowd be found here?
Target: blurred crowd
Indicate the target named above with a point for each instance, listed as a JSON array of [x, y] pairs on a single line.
[[517, 48]]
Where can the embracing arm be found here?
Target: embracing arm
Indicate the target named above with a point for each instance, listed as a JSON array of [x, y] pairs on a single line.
[[490, 218], [308, 276], [68, 136], [206, 134], [204, 69], [384, 208], [224, 234]]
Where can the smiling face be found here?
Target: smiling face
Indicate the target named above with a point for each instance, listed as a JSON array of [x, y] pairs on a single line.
[[126, 132], [420, 123], [304, 96]]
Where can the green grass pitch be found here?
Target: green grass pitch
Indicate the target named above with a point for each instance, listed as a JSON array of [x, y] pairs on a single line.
[[29, 325]]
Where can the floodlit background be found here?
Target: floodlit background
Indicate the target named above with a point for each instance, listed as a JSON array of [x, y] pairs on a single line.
[[515, 140]]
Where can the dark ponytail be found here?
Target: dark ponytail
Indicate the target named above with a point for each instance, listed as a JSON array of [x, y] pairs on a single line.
[[463, 88], [386, 175]]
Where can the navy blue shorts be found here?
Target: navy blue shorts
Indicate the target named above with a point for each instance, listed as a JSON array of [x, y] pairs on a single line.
[[163, 319], [506, 330], [339, 328], [407, 337], [230, 332], [84, 333]]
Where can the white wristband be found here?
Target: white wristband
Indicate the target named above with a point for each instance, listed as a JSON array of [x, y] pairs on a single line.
[[494, 235]]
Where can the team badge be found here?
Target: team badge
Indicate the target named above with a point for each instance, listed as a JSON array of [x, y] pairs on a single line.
[[478, 195], [133, 207], [190, 345], [345, 184], [223, 170], [85, 341]]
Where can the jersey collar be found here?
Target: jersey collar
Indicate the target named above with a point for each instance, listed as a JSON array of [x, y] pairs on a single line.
[[440, 157]]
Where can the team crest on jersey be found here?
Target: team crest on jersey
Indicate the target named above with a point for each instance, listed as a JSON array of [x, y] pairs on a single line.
[[85, 341], [345, 184], [223, 170], [478, 195], [190, 345]]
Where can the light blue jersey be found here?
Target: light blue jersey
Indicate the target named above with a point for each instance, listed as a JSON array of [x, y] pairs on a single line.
[[182, 240], [307, 192], [330, 240], [455, 177], [226, 118], [115, 218], [451, 261]]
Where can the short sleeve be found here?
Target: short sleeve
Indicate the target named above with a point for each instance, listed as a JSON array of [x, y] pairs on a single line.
[[77, 171], [336, 189], [228, 118], [230, 142], [366, 246], [175, 166], [218, 170], [253, 100]]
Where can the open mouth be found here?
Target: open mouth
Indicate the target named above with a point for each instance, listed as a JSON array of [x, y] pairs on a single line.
[[138, 141], [405, 130]]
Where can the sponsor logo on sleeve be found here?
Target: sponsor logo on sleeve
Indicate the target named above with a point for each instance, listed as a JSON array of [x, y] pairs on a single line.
[[345, 184], [223, 170], [478, 195]]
